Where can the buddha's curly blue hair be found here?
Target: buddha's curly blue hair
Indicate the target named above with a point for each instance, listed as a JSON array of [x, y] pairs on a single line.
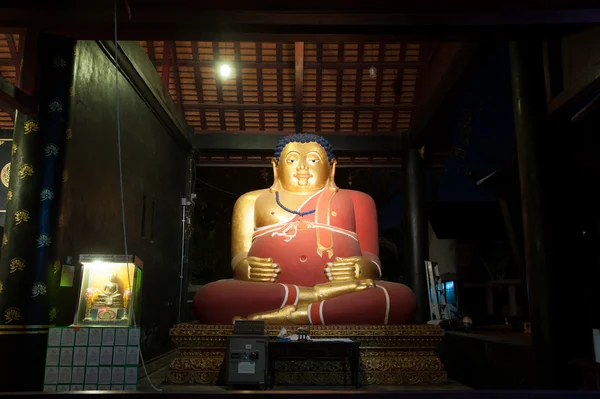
[[304, 138]]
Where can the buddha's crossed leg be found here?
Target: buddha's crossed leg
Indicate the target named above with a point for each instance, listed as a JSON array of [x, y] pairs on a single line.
[[349, 302]]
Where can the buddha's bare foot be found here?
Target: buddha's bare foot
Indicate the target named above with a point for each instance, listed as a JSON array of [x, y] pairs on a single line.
[[331, 290], [287, 315]]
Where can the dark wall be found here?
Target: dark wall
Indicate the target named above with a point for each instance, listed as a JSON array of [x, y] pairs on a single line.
[[154, 167]]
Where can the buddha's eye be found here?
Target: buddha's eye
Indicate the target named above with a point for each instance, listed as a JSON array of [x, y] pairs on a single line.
[[291, 160], [313, 160]]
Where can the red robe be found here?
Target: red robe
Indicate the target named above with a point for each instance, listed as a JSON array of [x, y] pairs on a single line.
[[344, 224]]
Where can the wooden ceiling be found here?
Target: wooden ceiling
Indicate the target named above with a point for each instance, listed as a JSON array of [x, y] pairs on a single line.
[[287, 87], [10, 60]]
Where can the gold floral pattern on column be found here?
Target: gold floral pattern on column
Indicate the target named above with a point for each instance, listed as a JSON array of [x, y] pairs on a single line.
[[69, 134], [9, 195], [16, 264], [72, 91], [26, 171], [56, 266], [44, 240], [1, 287], [51, 150], [4, 240], [52, 314], [65, 176], [31, 126], [12, 314], [38, 289], [21, 216], [5, 175], [13, 151], [55, 106], [59, 62], [46, 195]]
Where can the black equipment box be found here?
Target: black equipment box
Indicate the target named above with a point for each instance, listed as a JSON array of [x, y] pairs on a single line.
[[246, 360]]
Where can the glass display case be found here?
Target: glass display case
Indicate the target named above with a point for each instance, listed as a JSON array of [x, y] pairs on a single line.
[[110, 290]]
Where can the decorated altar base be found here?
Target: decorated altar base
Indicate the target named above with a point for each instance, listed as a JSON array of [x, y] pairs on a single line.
[[390, 355]]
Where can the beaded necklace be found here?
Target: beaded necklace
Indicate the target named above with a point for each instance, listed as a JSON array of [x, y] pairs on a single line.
[[301, 214]]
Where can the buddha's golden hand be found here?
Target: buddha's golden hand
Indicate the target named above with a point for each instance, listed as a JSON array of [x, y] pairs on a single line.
[[351, 268], [259, 270]]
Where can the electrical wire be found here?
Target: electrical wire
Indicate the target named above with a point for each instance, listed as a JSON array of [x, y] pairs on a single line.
[[120, 156], [217, 188]]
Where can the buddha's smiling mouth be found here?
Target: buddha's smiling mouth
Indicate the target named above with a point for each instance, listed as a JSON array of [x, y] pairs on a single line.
[[303, 176]]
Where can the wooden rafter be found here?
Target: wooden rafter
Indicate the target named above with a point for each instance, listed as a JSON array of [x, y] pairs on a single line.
[[11, 46], [338, 84], [166, 63], [239, 86], [260, 87], [219, 83], [299, 71], [358, 85], [198, 81], [179, 98], [378, 87], [319, 94], [151, 51], [18, 61], [279, 55]]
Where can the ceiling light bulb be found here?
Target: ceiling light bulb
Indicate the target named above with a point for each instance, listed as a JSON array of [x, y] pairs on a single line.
[[225, 70]]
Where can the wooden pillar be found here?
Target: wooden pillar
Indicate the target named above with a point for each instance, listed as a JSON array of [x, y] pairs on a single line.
[[416, 237], [28, 275], [529, 103]]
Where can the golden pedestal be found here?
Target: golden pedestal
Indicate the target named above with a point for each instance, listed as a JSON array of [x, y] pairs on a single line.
[[390, 355]]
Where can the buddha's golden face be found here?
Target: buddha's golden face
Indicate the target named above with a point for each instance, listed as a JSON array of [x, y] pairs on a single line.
[[303, 168]]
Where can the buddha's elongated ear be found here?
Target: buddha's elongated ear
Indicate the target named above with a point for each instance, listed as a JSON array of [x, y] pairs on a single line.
[[333, 165], [274, 164], [332, 184], [275, 186]]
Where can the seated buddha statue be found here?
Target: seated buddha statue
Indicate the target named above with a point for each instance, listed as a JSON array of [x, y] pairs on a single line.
[[304, 251], [111, 294]]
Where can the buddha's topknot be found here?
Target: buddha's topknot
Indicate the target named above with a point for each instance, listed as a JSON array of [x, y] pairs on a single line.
[[304, 138]]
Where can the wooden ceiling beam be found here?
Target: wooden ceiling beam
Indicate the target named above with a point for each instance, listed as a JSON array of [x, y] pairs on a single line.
[[229, 142], [299, 71], [12, 98], [186, 21], [306, 107]]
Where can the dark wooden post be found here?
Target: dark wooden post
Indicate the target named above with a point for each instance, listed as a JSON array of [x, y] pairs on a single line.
[[529, 102], [416, 234], [29, 277]]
